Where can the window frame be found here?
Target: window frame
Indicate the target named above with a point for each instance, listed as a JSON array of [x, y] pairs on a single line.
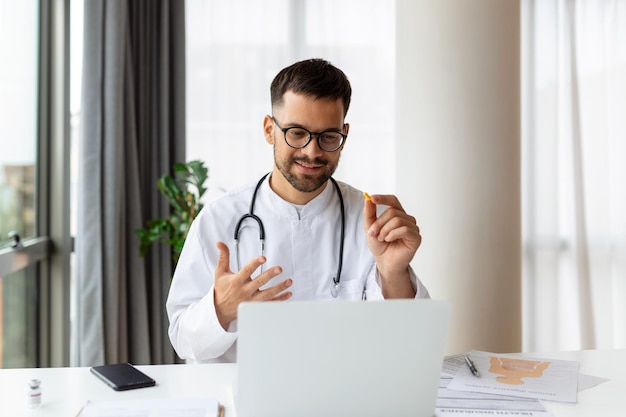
[[52, 246]]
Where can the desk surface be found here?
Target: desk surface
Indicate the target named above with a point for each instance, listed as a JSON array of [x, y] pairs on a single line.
[[65, 390]]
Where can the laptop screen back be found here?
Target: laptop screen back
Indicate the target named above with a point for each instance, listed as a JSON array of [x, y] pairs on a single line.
[[329, 358]]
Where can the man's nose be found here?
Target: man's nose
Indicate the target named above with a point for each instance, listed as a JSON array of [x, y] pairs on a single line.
[[313, 147]]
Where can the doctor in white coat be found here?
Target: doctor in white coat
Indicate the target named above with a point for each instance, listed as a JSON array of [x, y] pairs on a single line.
[[295, 234]]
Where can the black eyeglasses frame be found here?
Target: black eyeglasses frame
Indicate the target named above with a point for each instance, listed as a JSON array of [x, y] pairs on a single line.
[[311, 134]]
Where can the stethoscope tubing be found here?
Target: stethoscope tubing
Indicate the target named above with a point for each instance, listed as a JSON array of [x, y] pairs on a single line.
[[250, 215]]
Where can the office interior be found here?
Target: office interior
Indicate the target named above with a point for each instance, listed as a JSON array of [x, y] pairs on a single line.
[[462, 128]]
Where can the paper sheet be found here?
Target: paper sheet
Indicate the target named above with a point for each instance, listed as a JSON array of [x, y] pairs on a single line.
[[187, 407], [465, 403], [475, 404], [544, 379]]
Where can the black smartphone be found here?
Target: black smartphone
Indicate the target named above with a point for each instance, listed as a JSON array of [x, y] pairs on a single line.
[[122, 376]]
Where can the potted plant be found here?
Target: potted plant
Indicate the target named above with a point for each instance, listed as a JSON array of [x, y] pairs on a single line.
[[184, 192]]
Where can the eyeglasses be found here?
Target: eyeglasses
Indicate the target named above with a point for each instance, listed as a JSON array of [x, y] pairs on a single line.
[[299, 137]]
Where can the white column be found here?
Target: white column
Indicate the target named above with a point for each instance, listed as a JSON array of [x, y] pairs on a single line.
[[458, 160]]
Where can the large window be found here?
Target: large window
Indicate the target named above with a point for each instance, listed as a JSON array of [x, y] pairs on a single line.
[[574, 201], [234, 49], [34, 190], [19, 31], [19, 46]]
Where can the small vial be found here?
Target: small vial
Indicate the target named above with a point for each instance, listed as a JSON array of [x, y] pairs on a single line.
[[34, 393]]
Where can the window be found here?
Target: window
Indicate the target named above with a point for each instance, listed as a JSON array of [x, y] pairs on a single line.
[[19, 45], [234, 49], [33, 196], [574, 96]]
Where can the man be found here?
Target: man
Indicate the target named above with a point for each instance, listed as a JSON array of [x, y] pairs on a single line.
[[294, 235]]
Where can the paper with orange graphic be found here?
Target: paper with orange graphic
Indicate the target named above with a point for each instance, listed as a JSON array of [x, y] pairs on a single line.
[[544, 379]]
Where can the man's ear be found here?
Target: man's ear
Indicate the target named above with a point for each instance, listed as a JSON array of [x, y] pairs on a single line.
[[268, 129]]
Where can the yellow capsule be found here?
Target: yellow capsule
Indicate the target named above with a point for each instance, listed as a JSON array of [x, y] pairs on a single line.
[[367, 196]]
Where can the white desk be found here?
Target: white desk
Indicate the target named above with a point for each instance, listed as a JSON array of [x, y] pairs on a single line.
[[65, 390], [605, 400]]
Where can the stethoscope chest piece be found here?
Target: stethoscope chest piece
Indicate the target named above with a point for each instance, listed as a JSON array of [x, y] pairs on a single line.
[[334, 287]]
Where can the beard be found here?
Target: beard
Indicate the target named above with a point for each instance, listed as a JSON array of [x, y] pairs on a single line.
[[305, 183]]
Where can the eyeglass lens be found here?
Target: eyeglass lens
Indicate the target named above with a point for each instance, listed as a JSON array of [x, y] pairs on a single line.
[[298, 137]]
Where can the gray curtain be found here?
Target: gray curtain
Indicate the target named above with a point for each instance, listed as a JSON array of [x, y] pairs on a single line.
[[132, 131]]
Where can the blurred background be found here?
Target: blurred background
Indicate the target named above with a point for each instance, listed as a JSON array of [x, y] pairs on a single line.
[[499, 125]]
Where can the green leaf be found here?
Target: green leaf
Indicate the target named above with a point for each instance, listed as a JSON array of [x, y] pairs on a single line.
[[183, 192]]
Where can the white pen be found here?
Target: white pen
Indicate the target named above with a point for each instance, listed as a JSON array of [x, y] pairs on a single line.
[[470, 364]]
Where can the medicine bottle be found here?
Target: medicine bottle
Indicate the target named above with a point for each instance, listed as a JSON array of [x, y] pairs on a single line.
[[34, 393]]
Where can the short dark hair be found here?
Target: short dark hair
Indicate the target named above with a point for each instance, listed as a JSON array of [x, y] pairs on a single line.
[[312, 77]]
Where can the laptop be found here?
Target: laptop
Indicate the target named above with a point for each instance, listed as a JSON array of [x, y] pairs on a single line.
[[340, 358]]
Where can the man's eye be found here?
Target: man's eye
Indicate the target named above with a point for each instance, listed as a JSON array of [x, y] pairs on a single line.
[[298, 133], [330, 137]]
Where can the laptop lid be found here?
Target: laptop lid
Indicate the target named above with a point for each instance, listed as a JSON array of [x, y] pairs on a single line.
[[340, 358]]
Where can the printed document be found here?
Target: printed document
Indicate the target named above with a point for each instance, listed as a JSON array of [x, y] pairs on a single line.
[[465, 403], [543, 379], [476, 404]]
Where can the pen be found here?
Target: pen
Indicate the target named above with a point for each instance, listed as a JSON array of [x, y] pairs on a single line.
[[470, 364]]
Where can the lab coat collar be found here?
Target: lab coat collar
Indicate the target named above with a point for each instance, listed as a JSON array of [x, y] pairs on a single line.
[[313, 208]]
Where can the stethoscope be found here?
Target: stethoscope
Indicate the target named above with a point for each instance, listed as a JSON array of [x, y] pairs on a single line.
[[336, 281]]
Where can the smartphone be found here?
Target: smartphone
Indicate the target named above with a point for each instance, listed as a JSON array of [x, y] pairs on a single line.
[[122, 376]]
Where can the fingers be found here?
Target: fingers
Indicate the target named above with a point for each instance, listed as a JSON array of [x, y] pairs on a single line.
[[223, 264], [265, 277], [369, 213], [244, 276], [223, 260], [231, 289], [393, 223], [409, 235], [255, 285], [275, 293], [387, 200]]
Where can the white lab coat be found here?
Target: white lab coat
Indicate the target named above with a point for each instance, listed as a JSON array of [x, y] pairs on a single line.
[[305, 245]]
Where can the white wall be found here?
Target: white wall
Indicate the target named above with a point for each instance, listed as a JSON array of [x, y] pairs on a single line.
[[458, 160]]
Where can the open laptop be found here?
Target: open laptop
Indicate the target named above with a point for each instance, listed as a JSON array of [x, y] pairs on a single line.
[[340, 358]]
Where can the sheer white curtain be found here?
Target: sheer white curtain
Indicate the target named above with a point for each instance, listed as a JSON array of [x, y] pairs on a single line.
[[574, 145], [234, 49]]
